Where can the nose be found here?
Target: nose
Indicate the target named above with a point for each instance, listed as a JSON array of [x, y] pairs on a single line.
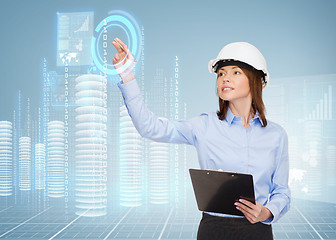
[[226, 79]]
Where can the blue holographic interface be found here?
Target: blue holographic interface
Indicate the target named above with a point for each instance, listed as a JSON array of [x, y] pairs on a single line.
[[118, 24]]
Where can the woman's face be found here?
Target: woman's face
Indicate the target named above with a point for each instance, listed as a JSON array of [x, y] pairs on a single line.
[[233, 84]]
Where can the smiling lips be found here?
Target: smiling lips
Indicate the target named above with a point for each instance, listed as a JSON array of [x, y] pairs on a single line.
[[226, 89]]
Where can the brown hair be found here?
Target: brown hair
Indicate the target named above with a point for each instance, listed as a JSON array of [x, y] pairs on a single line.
[[255, 83]]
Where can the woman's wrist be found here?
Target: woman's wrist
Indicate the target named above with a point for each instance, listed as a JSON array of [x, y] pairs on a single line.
[[128, 78], [267, 214]]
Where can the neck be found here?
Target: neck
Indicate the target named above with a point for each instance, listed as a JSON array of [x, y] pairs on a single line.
[[243, 110]]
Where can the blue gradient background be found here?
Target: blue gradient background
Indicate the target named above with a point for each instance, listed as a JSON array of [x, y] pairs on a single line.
[[297, 39]]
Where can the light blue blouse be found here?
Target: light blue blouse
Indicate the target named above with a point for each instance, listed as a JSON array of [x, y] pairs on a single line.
[[260, 151]]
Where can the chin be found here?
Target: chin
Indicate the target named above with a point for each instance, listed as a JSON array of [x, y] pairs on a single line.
[[225, 99]]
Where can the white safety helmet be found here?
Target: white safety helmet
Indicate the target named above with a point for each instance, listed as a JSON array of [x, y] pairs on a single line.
[[241, 54]]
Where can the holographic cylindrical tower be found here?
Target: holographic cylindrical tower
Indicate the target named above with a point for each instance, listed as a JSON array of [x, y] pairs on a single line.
[[55, 159], [91, 150], [24, 163], [131, 162], [159, 171], [6, 158]]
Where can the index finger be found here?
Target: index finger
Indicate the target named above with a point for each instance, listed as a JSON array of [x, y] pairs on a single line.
[[117, 46], [121, 43], [247, 203]]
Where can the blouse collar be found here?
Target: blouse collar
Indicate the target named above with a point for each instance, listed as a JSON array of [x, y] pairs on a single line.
[[230, 117]]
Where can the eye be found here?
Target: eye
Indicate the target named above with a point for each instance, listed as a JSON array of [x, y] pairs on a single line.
[[237, 72], [220, 74]]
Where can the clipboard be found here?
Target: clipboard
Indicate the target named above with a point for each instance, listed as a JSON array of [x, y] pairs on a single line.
[[217, 191]]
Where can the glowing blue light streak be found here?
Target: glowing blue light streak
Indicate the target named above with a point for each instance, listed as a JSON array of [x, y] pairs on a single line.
[[40, 156]]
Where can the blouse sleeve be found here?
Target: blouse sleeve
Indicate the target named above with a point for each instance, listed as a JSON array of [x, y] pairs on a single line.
[[152, 127], [279, 200]]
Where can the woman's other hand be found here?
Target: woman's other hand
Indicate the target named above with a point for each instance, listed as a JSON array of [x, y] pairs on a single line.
[[253, 212], [123, 61]]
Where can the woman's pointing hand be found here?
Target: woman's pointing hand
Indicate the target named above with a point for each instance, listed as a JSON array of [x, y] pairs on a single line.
[[123, 61]]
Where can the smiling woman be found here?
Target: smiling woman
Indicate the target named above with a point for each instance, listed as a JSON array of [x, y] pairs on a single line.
[[238, 138], [243, 66], [250, 81]]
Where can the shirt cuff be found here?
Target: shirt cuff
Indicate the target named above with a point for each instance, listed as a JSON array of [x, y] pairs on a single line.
[[275, 212], [129, 90]]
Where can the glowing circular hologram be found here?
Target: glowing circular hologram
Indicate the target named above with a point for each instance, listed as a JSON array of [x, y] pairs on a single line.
[[129, 27]]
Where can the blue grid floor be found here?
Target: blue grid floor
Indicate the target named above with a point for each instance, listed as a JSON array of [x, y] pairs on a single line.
[[305, 220]]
